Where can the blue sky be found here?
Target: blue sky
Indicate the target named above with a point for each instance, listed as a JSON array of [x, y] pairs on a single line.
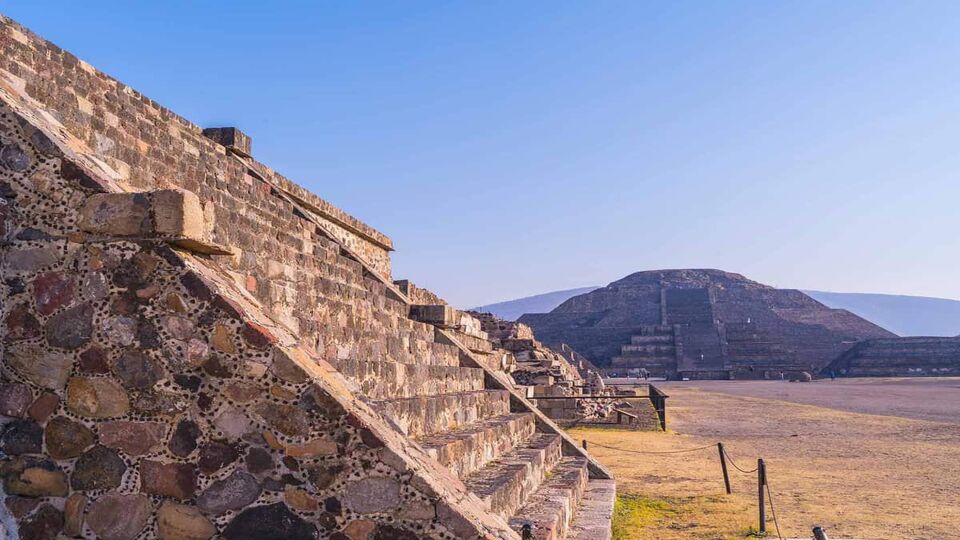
[[512, 148]]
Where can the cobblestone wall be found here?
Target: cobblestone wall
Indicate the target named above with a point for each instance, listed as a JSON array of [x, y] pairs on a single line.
[[138, 400]]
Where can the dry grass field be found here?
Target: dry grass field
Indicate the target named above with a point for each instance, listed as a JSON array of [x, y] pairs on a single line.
[[870, 459]]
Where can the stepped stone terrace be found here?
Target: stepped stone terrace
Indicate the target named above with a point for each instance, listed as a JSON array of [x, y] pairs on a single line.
[[193, 346]]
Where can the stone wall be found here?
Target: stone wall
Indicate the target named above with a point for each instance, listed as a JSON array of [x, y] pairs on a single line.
[[142, 394], [249, 208], [899, 357]]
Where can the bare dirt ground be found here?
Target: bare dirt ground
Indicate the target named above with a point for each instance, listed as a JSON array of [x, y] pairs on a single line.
[[871, 459]]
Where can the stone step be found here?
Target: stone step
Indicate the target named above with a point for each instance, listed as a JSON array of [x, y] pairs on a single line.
[[426, 415], [594, 516], [506, 483], [549, 511], [468, 449], [389, 380]]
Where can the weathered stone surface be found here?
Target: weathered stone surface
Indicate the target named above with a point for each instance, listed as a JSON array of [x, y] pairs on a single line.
[[300, 500], [257, 336], [312, 449], [372, 494], [40, 366], [184, 438], [136, 369], [98, 468], [120, 330], [52, 291], [177, 213], [67, 439], [116, 214], [21, 437], [258, 460], [286, 419], [21, 324], [222, 339], [33, 477], [241, 392], [44, 406], [389, 532], [133, 438], [181, 522], [31, 259], [96, 397], [71, 328], [271, 522], [287, 370], [44, 524], [73, 510], [232, 493], [94, 360], [232, 423], [359, 529], [15, 399], [177, 480], [119, 517], [14, 158], [215, 456]]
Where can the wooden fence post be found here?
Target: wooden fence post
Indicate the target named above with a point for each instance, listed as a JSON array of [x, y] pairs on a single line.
[[723, 466], [761, 482]]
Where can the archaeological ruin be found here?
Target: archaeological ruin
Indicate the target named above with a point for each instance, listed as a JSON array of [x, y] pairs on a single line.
[[705, 324], [193, 346]]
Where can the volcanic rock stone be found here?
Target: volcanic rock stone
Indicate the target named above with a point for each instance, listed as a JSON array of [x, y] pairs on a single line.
[[119, 517], [232, 493], [44, 524], [137, 370], [222, 339], [94, 360], [15, 399], [67, 439], [52, 291], [71, 328], [21, 324], [31, 259], [96, 397], [312, 449], [286, 419], [33, 477], [241, 392], [14, 158], [271, 522], [372, 494], [232, 423], [177, 480], [40, 366], [73, 514], [215, 456], [359, 529], [299, 499], [43, 407], [120, 330], [21, 437], [133, 438], [98, 468], [184, 438], [181, 522], [258, 460]]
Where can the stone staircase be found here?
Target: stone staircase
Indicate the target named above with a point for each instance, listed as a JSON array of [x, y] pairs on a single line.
[[518, 471]]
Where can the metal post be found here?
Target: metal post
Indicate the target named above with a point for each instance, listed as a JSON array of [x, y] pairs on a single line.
[[584, 444], [819, 533], [761, 482], [723, 465]]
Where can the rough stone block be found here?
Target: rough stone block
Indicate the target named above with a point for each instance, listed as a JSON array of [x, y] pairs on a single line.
[[177, 213], [230, 137]]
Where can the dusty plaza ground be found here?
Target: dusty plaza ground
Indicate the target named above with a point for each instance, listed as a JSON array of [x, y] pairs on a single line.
[[865, 458]]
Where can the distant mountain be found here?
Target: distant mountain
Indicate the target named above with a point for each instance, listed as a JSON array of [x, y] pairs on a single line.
[[902, 315], [511, 310]]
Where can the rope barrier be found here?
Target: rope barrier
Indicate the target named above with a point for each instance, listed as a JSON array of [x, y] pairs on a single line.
[[652, 452], [737, 467]]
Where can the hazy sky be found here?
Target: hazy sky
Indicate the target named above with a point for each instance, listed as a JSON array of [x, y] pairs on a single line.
[[512, 148]]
